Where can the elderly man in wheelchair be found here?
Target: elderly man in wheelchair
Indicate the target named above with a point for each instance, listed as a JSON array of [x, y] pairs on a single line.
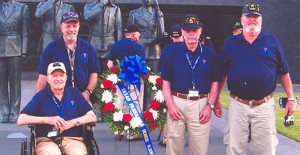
[[58, 114]]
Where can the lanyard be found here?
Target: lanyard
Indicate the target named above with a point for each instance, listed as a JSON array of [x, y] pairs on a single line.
[[193, 67], [71, 55], [61, 109]]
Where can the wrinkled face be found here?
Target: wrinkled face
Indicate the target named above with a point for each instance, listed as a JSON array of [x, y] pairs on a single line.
[[57, 79], [191, 36], [251, 24], [147, 2], [70, 30]]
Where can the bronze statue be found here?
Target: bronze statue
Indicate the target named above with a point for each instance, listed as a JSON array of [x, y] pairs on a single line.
[[13, 42], [50, 13], [105, 25], [151, 23]]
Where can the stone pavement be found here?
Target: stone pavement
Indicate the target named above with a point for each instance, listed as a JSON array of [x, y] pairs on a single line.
[[109, 146]]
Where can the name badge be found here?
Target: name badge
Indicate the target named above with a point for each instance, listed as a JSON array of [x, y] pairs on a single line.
[[193, 92]]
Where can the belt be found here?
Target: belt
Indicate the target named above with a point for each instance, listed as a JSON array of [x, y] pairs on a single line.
[[185, 96], [252, 103]]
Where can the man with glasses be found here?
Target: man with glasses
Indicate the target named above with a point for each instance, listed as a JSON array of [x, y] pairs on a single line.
[[251, 63], [189, 75], [77, 54], [58, 111]]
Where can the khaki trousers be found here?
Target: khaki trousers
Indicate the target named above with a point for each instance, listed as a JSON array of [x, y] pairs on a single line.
[[198, 133], [71, 146], [255, 125]]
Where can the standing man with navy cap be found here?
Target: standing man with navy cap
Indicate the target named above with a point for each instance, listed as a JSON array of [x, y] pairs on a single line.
[[237, 28], [189, 75], [78, 56], [251, 62]]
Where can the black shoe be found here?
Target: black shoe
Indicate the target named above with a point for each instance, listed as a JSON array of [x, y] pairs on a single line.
[[161, 143], [135, 139]]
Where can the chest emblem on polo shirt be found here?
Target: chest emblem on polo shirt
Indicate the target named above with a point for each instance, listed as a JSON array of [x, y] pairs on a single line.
[[72, 105], [265, 52], [84, 57], [203, 63]]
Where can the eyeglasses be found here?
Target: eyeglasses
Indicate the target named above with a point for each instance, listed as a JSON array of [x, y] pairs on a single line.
[[55, 64]]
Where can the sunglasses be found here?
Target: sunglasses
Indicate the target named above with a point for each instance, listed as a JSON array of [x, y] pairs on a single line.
[[56, 64]]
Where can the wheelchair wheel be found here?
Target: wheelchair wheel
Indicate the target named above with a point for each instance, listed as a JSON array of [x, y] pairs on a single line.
[[24, 149]]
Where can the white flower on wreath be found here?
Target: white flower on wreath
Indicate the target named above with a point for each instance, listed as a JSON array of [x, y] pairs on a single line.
[[155, 114], [152, 79], [107, 96], [113, 78], [118, 116], [135, 122], [126, 127], [154, 88], [158, 96]]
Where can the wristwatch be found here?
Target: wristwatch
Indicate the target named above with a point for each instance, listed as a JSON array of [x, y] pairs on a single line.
[[210, 105], [291, 99], [76, 122]]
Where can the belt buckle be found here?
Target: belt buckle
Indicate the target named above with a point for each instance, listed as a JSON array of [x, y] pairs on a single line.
[[251, 103]]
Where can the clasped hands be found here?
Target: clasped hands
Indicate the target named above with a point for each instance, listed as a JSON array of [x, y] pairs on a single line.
[[58, 123]]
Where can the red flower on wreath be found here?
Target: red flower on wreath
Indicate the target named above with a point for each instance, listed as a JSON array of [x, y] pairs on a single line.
[[114, 89], [113, 69], [159, 81], [108, 107], [148, 116], [107, 84], [153, 125], [147, 76], [127, 118], [154, 105]]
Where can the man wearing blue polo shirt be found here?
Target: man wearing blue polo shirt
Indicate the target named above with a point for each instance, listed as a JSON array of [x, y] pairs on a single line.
[[60, 110], [189, 74], [78, 56], [251, 62]]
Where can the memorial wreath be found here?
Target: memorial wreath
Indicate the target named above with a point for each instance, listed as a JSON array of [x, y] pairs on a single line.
[[106, 89]]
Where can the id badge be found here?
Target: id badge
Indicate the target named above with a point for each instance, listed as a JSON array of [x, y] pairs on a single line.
[[193, 92]]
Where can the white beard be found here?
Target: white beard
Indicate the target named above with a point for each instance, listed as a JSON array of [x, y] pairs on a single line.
[[71, 38], [252, 29]]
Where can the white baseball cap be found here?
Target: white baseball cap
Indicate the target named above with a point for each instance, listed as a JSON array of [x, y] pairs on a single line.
[[54, 66]]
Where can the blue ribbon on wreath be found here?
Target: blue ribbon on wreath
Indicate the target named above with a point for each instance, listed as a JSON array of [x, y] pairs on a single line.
[[133, 67]]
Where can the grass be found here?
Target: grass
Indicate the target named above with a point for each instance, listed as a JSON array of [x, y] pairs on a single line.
[[292, 132]]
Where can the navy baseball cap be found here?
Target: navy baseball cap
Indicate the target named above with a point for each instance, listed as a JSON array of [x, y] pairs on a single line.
[[69, 16], [191, 21], [131, 28], [251, 8], [175, 31], [237, 25]]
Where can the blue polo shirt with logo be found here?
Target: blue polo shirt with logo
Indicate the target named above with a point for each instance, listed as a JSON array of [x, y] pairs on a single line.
[[163, 54], [86, 61], [126, 47], [177, 70], [43, 104], [252, 69]]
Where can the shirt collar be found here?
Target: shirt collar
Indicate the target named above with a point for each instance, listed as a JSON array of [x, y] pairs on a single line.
[[241, 37]]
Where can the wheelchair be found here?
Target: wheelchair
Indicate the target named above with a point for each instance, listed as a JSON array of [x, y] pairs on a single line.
[[28, 144]]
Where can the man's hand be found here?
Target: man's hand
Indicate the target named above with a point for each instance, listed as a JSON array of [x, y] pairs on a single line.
[[174, 112], [218, 109], [70, 124], [58, 122], [290, 108], [86, 96], [205, 115]]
